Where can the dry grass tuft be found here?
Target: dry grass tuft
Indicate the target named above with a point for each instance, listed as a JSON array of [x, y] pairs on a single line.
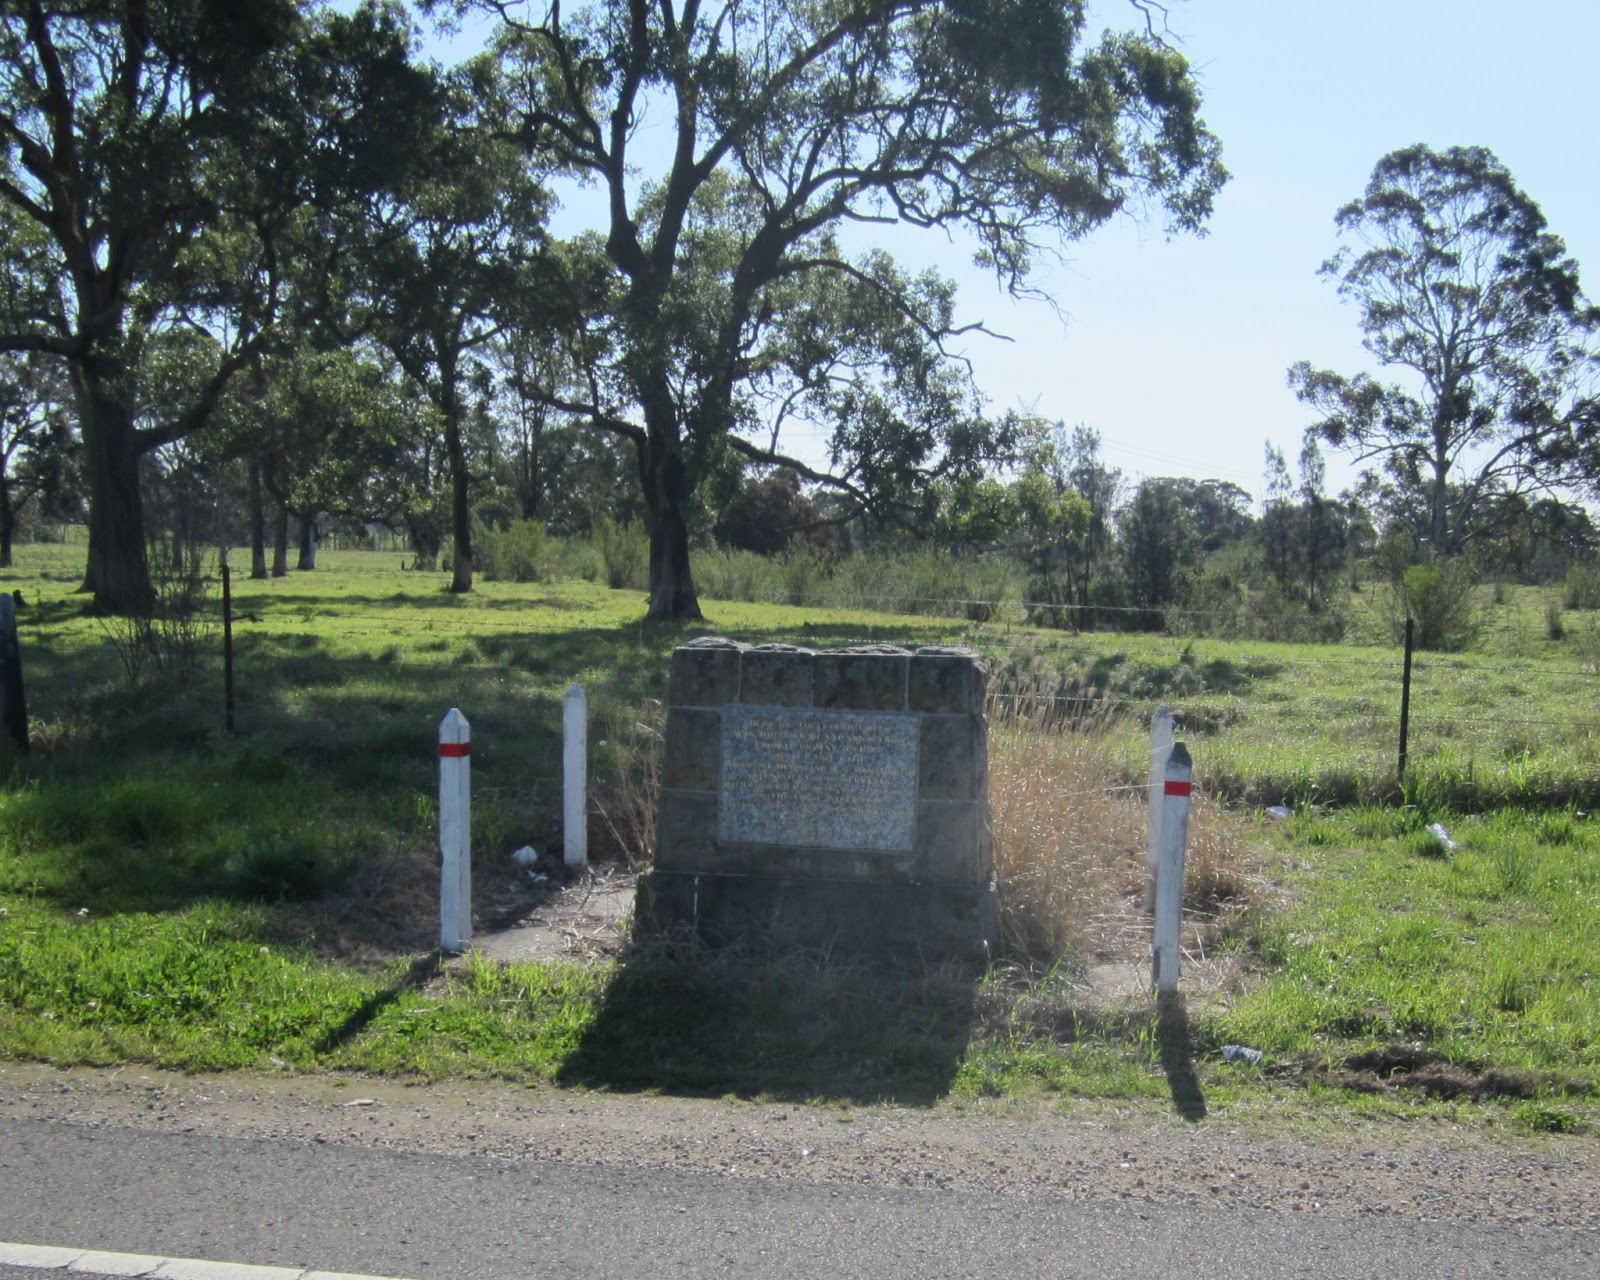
[[1070, 824], [622, 821]]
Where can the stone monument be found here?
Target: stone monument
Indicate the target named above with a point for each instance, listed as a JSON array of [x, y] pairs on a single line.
[[834, 801]]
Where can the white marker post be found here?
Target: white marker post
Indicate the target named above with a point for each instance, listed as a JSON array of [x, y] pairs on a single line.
[[455, 832], [1160, 749], [1175, 787], [575, 778]]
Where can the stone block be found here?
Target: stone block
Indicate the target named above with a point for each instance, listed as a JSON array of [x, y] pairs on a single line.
[[950, 847], [776, 676], [908, 923], [817, 864], [705, 673], [947, 680], [686, 829], [691, 755], [951, 760], [856, 680]]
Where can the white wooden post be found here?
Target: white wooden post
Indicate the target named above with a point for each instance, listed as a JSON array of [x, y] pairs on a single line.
[[455, 832], [1175, 787], [1160, 749], [575, 778]]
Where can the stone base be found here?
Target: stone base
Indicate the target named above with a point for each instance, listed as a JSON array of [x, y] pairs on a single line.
[[926, 923]]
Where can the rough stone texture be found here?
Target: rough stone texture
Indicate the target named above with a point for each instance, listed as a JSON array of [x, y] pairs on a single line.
[[704, 674], [950, 842], [952, 764], [778, 676], [835, 800], [686, 827], [862, 681], [947, 680], [691, 757], [912, 922]]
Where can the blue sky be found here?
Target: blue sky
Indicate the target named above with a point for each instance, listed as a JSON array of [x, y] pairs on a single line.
[[1176, 350]]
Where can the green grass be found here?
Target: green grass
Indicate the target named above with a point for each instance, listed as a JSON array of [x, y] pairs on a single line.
[[177, 894], [1485, 956]]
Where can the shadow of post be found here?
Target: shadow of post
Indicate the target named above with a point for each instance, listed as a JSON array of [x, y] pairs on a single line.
[[416, 975], [1177, 1057]]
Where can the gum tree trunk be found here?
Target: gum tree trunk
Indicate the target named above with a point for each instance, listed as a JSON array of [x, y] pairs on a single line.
[[258, 523], [280, 544], [308, 541], [118, 574]]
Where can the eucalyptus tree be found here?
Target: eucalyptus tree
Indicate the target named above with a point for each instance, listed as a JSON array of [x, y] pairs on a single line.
[[782, 122], [1460, 285], [451, 259], [36, 448], [163, 152]]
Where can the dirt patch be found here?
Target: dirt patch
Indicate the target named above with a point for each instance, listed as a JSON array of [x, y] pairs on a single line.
[[582, 916], [1399, 1068]]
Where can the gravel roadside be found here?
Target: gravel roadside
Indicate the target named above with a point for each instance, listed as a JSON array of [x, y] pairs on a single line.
[[1087, 1152]]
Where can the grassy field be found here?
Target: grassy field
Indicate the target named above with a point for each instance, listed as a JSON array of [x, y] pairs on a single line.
[[174, 893]]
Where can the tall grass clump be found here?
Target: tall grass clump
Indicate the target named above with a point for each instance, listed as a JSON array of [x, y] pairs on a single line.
[[625, 553], [174, 637], [1582, 587], [724, 573], [1070, 833], [929, 583], [521, 552], [1437, 597], [921, 583]]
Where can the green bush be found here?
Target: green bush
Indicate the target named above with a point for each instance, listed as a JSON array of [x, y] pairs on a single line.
[[1582, 587], [721, 573], [523, 552], [625, 552], [1437, 596]]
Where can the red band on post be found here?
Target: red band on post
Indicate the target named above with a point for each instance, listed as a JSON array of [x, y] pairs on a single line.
[[455, 749], [1179, 788]]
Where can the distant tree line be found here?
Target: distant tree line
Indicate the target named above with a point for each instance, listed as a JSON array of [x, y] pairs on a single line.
[[267, 270]]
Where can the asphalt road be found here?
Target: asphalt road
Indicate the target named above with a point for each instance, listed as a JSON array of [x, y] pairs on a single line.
[[421, 1216]]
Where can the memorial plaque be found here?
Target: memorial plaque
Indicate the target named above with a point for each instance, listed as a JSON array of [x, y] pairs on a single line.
[[818, 779]]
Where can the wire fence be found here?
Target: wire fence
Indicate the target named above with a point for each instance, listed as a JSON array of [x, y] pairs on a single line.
[[1078, 679]]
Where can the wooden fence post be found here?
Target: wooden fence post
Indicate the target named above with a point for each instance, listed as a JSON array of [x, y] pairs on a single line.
[[575, 778], [1405, 703], [455, 832], [13, 698], [1176, 786], [1160, 749], [227, 648]]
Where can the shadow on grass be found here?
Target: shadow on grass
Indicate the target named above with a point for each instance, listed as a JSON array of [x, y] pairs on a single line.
[[1177, 1057], [416, 975], [135, 798], [683, 1018]]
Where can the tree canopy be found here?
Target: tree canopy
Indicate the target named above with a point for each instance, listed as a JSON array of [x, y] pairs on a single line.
[[719, 292], [1460, 283], [160, 156]]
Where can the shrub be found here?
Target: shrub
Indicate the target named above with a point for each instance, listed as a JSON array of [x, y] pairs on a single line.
[[1582, 587], [625, 552], [1437, 596], [179, 630], [523, 552], [721, 573]]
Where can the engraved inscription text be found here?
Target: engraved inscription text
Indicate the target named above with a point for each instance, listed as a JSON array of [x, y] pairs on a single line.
[[819, 779]]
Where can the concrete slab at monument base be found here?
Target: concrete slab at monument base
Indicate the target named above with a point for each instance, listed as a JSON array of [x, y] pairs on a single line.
[[912, 922]]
